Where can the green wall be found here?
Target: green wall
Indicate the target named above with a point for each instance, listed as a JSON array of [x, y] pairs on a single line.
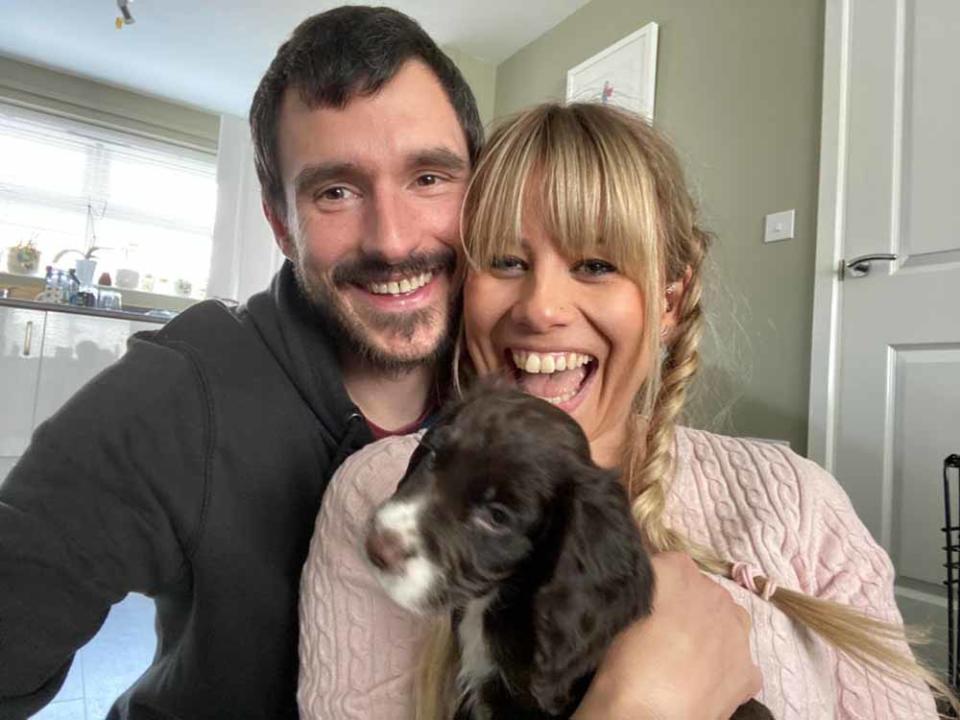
[[481, 76], [738, 91]]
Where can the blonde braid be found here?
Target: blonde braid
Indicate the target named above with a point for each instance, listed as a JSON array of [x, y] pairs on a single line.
[[649, 461]]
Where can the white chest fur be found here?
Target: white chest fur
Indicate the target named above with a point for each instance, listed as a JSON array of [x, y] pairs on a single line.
[[475, 662]]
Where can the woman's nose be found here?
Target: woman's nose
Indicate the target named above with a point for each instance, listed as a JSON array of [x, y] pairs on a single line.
[[544, 303]]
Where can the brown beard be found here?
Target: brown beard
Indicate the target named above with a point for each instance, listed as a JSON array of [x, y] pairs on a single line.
[[352, 329]]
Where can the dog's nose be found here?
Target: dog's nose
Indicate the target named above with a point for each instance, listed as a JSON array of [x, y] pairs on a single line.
[[386, 550]]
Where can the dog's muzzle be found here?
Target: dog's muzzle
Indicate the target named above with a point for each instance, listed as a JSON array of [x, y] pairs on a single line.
[[387, 550]]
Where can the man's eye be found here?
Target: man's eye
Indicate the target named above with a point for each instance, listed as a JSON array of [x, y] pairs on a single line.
[[594, 267], [427, 180], [335, 193]]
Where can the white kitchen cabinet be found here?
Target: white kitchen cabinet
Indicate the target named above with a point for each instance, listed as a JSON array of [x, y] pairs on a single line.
[[76, 348], [21, 341], [45, 357]]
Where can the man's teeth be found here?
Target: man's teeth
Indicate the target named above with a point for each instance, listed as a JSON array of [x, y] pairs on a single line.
[[402, 286], [547, 363]]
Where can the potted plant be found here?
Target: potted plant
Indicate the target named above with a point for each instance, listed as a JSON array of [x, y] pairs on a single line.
[[87, 264], [24, 257]]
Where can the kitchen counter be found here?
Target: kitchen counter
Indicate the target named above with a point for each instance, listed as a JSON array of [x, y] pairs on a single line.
[[145, 315]]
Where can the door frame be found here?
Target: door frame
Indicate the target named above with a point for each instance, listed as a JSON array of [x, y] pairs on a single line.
[[827, 292]]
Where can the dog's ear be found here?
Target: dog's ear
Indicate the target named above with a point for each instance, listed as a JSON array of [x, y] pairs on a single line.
[[601, 582]]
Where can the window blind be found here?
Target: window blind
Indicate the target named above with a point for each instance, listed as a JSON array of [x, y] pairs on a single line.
[[69, 187]]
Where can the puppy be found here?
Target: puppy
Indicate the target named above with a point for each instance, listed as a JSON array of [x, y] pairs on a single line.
[[503, 519]]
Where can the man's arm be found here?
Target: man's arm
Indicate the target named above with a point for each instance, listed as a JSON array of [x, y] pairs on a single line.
[[104, 501]]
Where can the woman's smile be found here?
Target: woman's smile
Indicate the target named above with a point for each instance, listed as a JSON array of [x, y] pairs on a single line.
[[559, 377]]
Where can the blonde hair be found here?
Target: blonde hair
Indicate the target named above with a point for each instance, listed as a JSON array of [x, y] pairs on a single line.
[[608, 183]]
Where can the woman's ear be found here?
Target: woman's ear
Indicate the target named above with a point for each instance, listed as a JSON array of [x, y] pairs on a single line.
[[673, 294]]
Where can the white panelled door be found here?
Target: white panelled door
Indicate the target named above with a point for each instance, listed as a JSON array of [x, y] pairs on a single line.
[[885, 385]]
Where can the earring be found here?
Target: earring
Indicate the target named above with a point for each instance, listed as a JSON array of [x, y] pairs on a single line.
[[669, 292]]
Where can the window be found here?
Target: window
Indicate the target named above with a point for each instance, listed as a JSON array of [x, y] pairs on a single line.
[[145, 205]]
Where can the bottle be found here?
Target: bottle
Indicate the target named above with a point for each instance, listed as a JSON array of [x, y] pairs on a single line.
[[73, 287], [59, 288], [48, 280]]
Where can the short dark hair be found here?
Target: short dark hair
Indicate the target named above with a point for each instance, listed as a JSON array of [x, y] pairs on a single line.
[[336, 55]]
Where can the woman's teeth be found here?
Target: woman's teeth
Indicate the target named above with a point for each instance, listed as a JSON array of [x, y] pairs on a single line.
[[548, 363], [554, 377], [402, 286], [561, 398]]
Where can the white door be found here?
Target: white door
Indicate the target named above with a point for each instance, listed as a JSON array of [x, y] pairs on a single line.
[[885, 385]]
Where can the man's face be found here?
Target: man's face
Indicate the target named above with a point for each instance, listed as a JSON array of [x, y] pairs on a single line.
[[373, 194]]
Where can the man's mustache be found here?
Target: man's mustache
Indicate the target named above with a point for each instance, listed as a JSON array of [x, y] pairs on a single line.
[[372, 269]]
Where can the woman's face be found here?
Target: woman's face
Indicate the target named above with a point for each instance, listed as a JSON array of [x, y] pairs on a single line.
[[569, 330]]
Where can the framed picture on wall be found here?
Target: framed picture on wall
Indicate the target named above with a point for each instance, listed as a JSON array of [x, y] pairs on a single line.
[[625, 74]]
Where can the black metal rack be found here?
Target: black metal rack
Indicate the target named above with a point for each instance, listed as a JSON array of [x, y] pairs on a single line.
[[951, 531]]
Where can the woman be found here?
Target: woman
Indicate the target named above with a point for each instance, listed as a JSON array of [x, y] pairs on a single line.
[[584, 287]]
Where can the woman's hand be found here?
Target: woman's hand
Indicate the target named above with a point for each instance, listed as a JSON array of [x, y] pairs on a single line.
[[689, 659]]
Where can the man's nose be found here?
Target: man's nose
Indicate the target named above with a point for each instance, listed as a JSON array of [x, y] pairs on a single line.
[[544, 303], [393, 228]]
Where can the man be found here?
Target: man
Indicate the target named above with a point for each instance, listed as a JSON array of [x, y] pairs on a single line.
[[192, 471]]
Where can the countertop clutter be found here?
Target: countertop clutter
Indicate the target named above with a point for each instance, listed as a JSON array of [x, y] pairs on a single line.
[[31, 292], [145, 314]]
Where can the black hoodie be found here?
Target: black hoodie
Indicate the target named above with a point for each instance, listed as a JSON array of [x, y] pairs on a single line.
[[190, 471]]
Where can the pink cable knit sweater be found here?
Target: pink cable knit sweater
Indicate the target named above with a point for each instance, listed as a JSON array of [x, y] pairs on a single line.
[[749, 501]]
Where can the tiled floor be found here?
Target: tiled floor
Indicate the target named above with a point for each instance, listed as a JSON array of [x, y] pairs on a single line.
[[108, 664]]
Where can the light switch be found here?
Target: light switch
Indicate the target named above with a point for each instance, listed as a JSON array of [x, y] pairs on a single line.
[[779, 226]]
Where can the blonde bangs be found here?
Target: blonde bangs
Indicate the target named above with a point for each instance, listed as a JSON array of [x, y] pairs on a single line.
[[595, 197]]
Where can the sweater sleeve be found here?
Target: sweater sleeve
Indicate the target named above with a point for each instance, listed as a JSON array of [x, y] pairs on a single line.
[[104, 501], [846, 565], [358, 650]]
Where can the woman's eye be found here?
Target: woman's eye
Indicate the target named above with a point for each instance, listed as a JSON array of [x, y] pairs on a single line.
[[595, 267], [507, 263]]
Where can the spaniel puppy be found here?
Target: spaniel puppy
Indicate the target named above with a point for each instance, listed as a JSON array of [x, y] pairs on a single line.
[[503, 519]]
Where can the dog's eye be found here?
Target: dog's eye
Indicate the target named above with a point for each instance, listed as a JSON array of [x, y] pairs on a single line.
[[499, 515], [492, 518]]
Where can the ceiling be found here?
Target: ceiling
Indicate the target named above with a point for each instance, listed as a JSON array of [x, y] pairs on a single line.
[[211, 53]]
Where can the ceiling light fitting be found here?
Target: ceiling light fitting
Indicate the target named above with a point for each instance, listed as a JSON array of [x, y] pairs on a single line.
[[125, 17]]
